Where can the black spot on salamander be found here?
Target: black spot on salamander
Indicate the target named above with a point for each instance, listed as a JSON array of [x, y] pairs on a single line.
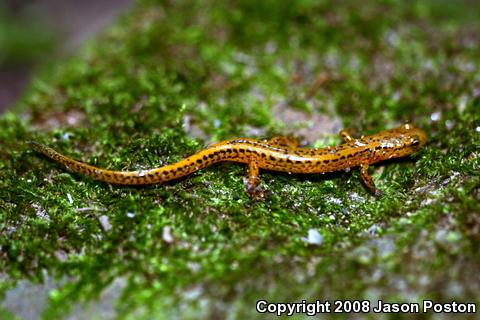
[[334, 159], [326, 161], [205, 157], [289, 161], [199, 161], [342, 157], [241, 150], [272, 158], [298, 161]]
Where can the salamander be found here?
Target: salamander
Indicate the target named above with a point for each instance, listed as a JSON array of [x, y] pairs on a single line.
[[278, 154]]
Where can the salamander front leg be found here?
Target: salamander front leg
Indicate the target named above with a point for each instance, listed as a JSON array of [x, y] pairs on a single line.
[[283, 141], [252, 182], [367, 179], [346, 137]]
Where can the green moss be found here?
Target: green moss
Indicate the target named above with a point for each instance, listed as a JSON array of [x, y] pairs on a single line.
[[169, 78], [23, 39]]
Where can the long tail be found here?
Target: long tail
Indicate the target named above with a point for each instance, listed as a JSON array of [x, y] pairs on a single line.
[[158, 175]]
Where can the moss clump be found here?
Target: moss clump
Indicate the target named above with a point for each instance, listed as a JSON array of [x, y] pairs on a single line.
[[169, 78]]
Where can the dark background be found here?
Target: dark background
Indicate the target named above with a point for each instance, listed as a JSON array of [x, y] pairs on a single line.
[[33, 33]]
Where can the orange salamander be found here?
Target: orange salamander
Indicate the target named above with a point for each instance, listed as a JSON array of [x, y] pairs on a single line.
[[277, 154]]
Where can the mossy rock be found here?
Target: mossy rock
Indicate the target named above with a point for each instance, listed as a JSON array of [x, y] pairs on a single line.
[[171, 77]]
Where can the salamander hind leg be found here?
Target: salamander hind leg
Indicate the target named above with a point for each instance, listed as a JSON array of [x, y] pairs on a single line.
[[252, 182], [346, 136], [283, 141], [367, 179]]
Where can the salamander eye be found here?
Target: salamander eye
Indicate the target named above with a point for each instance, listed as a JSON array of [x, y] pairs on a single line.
[[415, 142]]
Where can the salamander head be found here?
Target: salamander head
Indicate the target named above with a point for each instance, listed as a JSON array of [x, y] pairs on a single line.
[[403, 140], [414, 137]]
